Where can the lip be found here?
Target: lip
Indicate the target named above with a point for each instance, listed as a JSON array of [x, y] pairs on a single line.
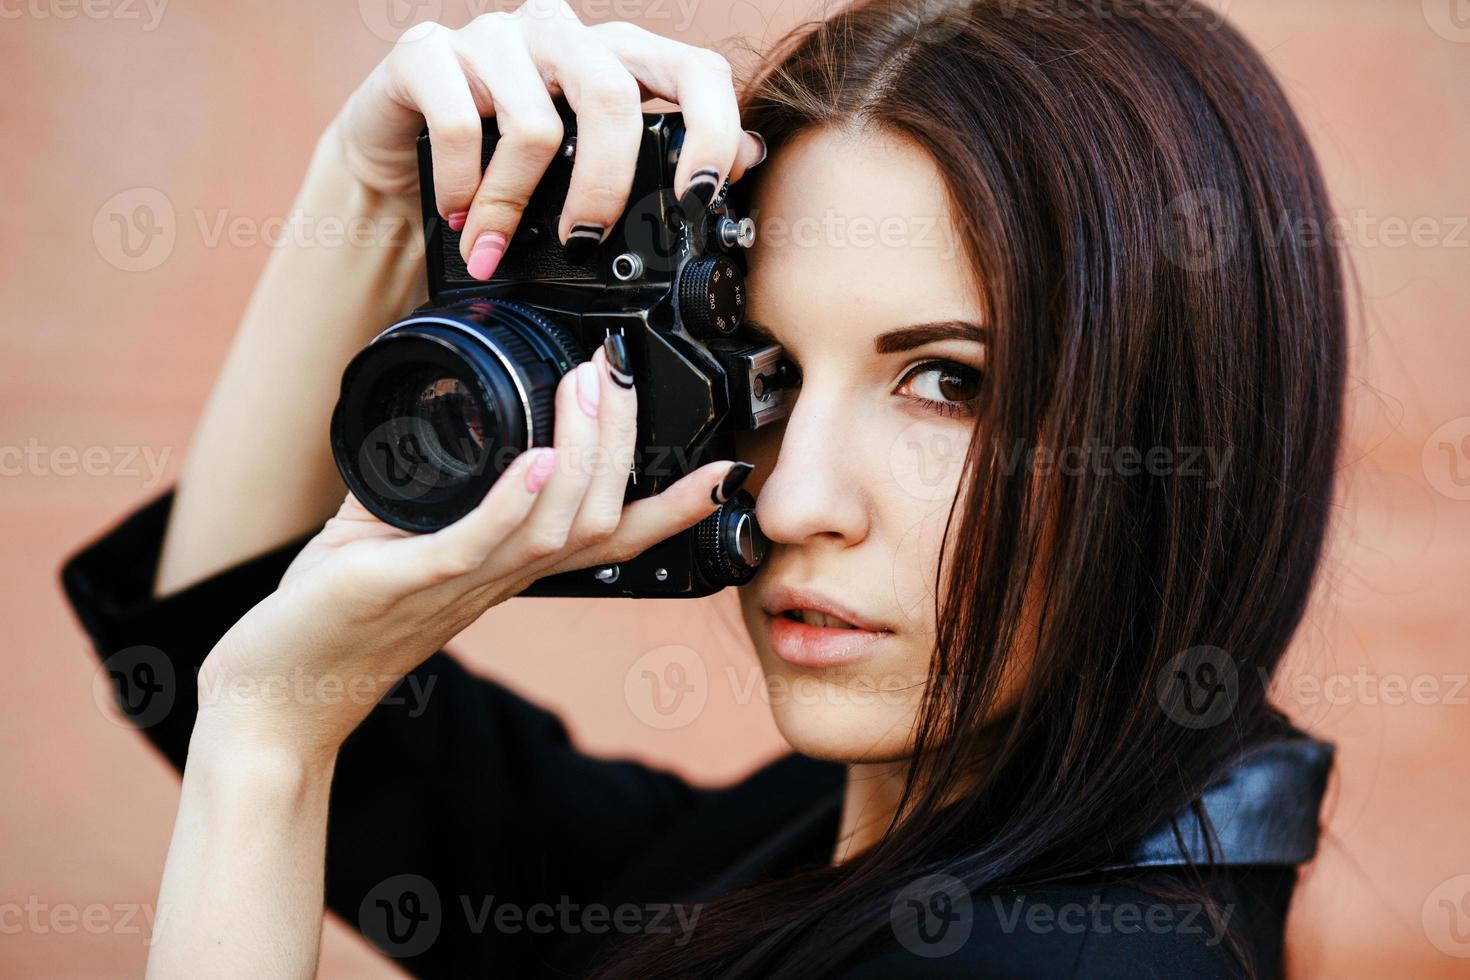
[[818, 646]]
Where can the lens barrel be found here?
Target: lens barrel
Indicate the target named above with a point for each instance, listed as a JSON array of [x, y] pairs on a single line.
[[439, 404]]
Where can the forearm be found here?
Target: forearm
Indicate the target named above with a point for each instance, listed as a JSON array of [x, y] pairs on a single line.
[[242, 891], [259, 471]]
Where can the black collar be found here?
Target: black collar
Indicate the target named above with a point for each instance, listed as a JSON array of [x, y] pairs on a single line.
[[1264, 812]]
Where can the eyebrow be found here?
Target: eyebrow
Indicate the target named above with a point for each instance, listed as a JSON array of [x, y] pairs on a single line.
[[905, 338], [919, 334]]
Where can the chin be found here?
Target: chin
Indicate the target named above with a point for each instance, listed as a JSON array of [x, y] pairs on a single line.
[[831, 718]]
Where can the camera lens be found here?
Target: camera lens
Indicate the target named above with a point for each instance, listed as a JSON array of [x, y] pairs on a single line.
[[454, 423], [430, 439], [434, 410]]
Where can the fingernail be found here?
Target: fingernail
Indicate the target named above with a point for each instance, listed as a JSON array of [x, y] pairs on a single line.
[[540, 469], [617, 360], [485, 256], [589, 389], [762, 141], [582, 241], [701, 190], [734, 478], [456, 220]]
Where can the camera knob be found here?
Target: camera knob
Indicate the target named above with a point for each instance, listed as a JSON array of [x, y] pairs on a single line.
[[711, 296], [732, 233], [729, 542]]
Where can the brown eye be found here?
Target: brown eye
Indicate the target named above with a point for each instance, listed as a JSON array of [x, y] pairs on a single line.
[[944, 383], [959, 386]]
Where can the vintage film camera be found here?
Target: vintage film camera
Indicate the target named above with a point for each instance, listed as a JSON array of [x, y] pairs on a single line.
[[433, 410]]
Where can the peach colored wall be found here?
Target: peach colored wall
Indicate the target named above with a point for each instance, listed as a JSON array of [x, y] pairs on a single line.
[[207, 110]]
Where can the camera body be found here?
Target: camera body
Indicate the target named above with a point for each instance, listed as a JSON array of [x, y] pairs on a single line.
[[441, 402]]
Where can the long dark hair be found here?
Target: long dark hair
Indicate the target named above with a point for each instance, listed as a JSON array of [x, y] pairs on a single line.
[[1131, 188]]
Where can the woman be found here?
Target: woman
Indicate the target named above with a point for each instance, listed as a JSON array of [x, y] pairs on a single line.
[[1045, 515]]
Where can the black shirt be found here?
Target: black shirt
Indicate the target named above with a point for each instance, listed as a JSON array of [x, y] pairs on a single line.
[[466, 835]]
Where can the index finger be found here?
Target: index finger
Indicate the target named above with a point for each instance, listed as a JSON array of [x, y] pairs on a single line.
[[608, 105], [530, 135], [700, 82]]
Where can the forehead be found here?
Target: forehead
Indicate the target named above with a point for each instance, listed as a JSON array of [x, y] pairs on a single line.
[[855, 224]]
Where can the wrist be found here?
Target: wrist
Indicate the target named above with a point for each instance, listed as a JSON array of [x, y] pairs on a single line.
[[371, 188], [370, 213], [236, 744]]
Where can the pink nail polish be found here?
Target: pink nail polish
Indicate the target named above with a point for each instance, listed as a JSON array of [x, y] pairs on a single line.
[[540, 469], [457, 219], [589, 392], [485, 256]]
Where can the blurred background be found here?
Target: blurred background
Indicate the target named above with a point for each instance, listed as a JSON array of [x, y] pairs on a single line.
[[191, 123]]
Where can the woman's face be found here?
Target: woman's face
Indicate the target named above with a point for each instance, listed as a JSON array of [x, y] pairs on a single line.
[[857, 272]]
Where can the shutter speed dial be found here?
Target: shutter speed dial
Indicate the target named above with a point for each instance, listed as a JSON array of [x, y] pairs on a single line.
[[711, 296], [729, 544]]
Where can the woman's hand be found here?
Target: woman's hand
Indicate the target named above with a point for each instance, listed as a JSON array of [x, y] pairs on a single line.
[[510, 65], [364, 603], [258, 454]]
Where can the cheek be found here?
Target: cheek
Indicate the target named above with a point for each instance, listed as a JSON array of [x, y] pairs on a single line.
[[914, 565], [926, 463], [925, 459]]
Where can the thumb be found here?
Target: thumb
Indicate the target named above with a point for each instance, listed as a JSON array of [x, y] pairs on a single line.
[[646, 522]]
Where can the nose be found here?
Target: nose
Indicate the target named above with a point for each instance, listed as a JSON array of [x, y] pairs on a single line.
[[815, 489]]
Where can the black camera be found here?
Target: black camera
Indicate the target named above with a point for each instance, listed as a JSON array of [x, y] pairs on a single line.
[[439, 404]]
